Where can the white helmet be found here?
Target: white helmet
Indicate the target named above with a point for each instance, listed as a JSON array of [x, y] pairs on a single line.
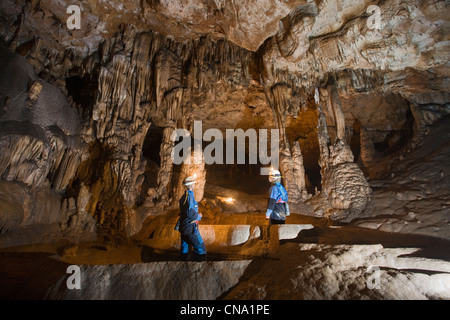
[[274, 176], [188, 181]]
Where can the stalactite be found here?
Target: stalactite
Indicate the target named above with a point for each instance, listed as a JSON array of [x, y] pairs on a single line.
[[298, 173], [324, 140], [166, 168], [335, 103]]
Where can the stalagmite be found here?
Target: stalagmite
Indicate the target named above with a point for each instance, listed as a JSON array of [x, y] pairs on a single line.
[[343, 182], [323, 138], [298, 172], [336, 106]]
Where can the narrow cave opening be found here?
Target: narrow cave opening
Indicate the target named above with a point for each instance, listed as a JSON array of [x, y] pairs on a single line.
[[396, 140], [82, 90], [355, 140], [151, 153], [313, 178]]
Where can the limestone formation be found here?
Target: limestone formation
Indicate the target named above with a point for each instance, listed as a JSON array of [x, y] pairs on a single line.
[[355, 94], [347, 190], [87, 115], [153, 281]]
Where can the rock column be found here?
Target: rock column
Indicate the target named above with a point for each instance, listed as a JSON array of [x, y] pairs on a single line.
[[291, 159], [344, 187]]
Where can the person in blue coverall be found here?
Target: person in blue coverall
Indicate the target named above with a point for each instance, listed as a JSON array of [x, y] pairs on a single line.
[[278, 207], [189, 218]]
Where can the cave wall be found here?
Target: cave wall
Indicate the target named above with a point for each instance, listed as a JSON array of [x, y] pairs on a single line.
[[76, 106], [143, 79]]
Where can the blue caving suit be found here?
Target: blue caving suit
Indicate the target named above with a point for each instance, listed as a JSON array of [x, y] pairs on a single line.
[[190, 235], [278, 207]]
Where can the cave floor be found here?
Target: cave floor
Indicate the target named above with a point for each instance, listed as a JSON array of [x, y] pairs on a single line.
[[27, 272]]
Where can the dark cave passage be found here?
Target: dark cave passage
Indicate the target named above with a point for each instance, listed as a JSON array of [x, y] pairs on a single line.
[[151, 154], [243, 177], [83, 91]]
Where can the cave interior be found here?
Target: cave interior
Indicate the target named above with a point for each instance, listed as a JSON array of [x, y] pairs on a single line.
[[354, 104]]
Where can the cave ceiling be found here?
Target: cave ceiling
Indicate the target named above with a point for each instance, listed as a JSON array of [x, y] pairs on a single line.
[[179, 19]]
